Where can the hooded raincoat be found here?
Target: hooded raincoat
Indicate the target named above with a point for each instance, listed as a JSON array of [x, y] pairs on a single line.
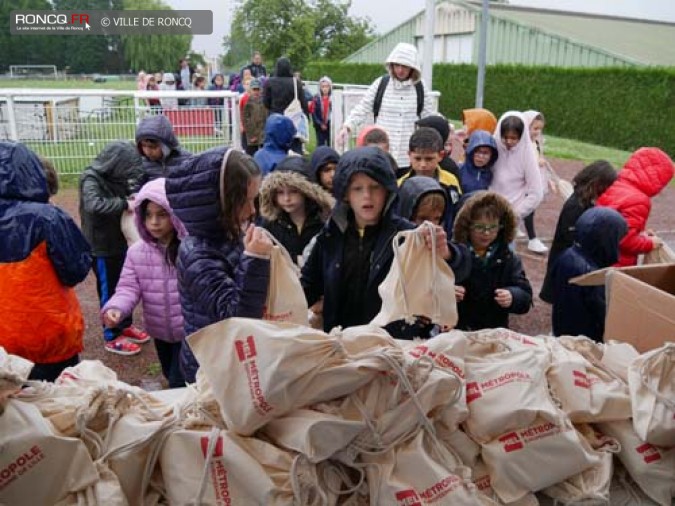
[[330, 263], [473, 178], [644, 175], [516, 174], [318, 204], [43, 255], [216, 279], [148, 278], [278, 91], [104, 188], [279, 134], [398, 112], [580, 310], [158, 128]]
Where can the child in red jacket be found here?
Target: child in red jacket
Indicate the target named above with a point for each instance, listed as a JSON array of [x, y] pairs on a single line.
[[644, 175]]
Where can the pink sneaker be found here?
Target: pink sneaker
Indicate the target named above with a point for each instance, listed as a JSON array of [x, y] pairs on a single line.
[[136, 335], [121, 346]]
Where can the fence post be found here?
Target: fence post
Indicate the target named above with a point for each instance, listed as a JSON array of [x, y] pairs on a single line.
[[13, 132], [236, 134]]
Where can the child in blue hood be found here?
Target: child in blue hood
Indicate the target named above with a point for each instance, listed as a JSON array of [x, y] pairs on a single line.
[[279, 134], [481, 154], [580, 310]]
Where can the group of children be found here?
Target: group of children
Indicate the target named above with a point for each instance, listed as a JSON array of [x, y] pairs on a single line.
[[205, 223]]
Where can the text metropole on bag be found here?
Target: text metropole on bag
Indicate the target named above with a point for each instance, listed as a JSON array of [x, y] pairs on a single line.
[[416, 473], [419, 282], [37, 466], [218, 468], [651, 379], [261, 370], [286, 300], [506, 390], [295, 113], [535, 457]]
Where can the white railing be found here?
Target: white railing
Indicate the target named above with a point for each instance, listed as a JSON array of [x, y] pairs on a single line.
[[71, 126]]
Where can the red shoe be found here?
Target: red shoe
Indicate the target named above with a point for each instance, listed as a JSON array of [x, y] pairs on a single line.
[[136, 335], [121, 346]]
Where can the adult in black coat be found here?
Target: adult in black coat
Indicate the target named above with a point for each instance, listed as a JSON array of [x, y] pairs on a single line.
[[278, 92]]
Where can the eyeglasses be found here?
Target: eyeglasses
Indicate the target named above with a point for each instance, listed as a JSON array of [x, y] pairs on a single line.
[[485, 229]]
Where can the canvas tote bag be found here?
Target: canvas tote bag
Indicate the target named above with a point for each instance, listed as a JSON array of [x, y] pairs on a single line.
[[218, 468], [590, 487], [419, 282], [588, 392], [413, 473], [662, 255], [617, 357], [651, 379], [295, 113], [314, 434], [261, 370], [37, 466], [14, 372], [652, 467], [535, 457], [505, 391], [286, 300]]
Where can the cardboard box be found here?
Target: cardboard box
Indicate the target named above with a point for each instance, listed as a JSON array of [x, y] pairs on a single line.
[[640, 303]]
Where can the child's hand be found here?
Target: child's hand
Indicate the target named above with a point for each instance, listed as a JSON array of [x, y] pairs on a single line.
[[441, 240], [112, 318], [257, 242], [342, 137], [460, 291], [503, 297]]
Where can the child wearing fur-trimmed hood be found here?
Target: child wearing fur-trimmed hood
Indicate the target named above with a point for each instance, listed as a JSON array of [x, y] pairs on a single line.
[[293, 207]]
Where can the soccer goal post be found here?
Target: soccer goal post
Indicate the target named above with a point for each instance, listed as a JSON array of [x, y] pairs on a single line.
[[43, 71]]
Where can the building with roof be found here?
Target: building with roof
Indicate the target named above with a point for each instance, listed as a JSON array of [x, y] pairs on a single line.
[[531, 36]]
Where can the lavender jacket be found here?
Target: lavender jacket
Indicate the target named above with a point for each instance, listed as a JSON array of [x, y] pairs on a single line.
[[147, 278]]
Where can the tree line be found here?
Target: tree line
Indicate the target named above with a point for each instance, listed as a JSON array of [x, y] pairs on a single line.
[[303, 30], [110, 54]]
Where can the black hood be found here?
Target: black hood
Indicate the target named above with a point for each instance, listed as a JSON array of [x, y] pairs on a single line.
[[598, 232], [411, 192], [321, 156], [283, 68]]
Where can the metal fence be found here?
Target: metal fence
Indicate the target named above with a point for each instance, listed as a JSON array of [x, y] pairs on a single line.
[[71, 126]]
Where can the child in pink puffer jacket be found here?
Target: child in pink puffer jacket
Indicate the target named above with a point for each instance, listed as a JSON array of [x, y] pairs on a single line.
[[149, 276]]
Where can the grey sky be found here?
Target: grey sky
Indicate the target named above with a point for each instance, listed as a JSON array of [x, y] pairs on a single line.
[[386, 14]]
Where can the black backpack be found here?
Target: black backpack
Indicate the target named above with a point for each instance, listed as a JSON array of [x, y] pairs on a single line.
[[380, 93]]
